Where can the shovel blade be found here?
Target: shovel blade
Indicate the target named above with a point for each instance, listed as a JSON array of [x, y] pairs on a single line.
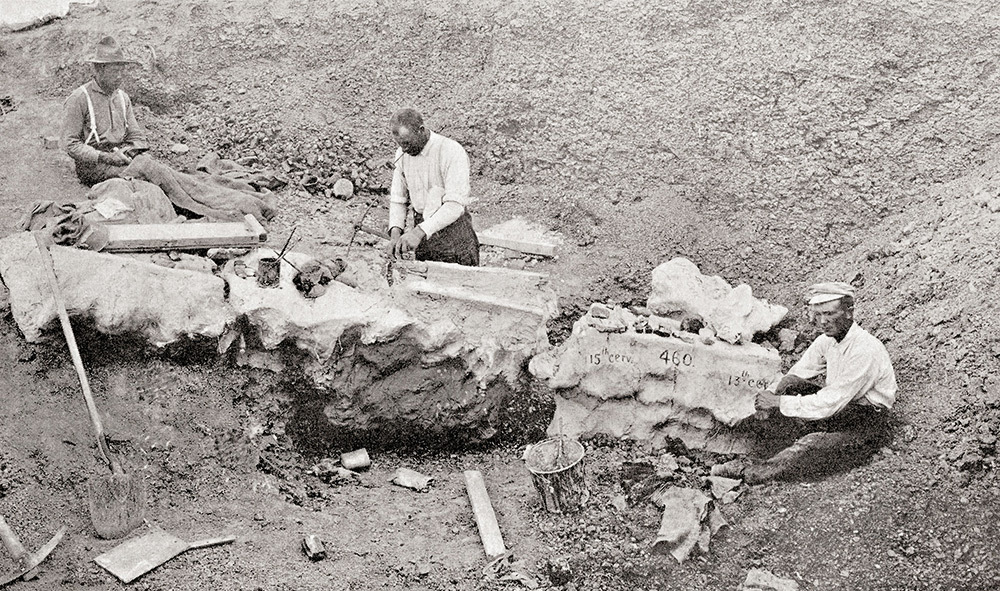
[[117, 504], [133, 558]]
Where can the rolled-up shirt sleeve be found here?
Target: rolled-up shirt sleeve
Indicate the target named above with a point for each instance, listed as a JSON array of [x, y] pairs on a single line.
[[443, 217], [457, 190], [399, 198], [856, 377]]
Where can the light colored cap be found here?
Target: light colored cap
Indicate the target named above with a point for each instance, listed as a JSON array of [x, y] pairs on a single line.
[[827, 292]]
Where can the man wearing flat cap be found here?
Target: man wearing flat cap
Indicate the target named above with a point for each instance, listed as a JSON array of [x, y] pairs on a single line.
[[846, 412], [99, 131]]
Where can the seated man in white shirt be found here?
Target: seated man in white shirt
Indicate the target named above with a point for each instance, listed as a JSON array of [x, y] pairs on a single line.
[[846, 415], [431, 176]]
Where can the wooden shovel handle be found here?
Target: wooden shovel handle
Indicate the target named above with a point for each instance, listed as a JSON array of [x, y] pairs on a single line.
[[211, 542], [74, 352]]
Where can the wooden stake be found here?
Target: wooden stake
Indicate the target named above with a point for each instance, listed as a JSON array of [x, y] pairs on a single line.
[[486, 519]]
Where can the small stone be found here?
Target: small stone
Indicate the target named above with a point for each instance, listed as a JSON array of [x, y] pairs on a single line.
[[759, 579], [786, 340], [598, 310], [26, 353], [343, 189], [179, 149], [51, 142]]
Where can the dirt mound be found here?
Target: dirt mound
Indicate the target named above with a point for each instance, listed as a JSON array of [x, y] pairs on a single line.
[[771, 143], [924, 282]]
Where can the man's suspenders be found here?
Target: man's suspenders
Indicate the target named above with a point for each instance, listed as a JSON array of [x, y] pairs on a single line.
[[93, 122]]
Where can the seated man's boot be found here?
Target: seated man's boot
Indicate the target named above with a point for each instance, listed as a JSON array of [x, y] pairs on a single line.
[[734, 469]]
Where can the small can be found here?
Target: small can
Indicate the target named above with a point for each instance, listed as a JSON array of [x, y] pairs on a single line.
[[356, 460], [313, 547], [268, 272]]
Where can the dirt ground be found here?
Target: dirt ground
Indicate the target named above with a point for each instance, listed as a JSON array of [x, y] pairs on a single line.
[[772, 142]]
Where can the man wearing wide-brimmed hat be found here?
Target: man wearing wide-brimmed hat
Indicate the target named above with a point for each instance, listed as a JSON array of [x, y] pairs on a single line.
[[104, 139], [99, 129], [846, 412]]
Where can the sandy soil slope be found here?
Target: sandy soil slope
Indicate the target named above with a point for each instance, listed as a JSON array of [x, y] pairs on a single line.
[[772, 142]]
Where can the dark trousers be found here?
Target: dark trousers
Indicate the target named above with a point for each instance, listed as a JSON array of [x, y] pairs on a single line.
[[455, 243], [844, 441], [91, 174]]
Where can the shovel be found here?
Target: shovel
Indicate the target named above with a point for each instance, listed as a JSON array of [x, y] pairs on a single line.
[[117, 501], [131, 559]]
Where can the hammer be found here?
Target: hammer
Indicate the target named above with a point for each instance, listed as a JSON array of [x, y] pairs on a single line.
[[28, 563]]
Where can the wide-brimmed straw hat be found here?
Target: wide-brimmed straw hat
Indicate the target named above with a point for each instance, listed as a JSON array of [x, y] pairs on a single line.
[[109, 52]]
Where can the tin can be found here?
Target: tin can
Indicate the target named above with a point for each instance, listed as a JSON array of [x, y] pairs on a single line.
[[268, 272], [356, 460], [313, 547]]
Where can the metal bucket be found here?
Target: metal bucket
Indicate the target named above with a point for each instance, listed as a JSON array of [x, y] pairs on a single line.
[[556, 467]]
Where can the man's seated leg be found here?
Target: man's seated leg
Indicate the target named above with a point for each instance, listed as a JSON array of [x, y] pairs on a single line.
[[456, 243], [92, 173], [845, 442]]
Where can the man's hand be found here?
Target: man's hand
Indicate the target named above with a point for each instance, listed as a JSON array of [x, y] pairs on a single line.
[[409, 241], [766, 400], [116, 158], [765, 404], [394, 234], [795, 386]]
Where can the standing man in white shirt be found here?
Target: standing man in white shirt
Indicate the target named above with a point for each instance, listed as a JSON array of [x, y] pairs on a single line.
[[847, 412], [431, 175]]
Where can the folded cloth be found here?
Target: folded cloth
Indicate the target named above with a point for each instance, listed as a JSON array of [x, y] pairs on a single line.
[[689, 520], [202, 195], [258, 180], [144, 202], [66, 223]]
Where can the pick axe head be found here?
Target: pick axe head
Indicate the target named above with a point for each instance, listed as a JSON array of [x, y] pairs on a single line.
[[32, 560]]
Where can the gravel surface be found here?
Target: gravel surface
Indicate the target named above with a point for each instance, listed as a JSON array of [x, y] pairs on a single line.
[[773, 143]]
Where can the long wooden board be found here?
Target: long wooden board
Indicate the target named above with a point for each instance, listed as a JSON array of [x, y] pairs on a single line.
[[191, 236], [526, 246], [487, 286], [521, 235], [486, 519]]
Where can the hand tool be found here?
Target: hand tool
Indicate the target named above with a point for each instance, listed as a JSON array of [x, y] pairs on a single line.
[[133, 558], [117, 501], [27, 563], [357, 226]]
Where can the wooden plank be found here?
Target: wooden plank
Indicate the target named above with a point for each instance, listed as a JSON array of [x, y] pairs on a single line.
[[486, 519], [191, 236], [478, 275], [526, 246], [523, 236], [471, 296]]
